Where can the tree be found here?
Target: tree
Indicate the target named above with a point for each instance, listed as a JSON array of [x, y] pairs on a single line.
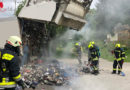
[[20, 7]]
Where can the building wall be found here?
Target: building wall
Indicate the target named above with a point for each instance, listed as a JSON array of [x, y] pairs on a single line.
[[112, 38], [8, 28], [124, 37]]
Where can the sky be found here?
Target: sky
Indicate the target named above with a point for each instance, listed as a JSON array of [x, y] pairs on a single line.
[[9, 6], [93, 5]]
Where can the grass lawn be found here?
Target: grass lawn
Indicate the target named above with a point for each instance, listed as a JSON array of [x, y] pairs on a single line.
[[128, 55]]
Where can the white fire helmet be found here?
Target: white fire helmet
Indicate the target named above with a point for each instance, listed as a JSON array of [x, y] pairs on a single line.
[[14, 41]]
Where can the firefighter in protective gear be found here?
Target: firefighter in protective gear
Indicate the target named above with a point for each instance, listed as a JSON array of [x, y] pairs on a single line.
[[93, 59], [78, 52], [96, 47], [119, 54], [9, 64]]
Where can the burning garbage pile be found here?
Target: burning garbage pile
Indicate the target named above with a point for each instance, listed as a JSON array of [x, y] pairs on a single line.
[[32, 75], [50, 74], [54, 75]]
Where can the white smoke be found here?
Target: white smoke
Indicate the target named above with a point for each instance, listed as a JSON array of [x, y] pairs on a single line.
[[114, 14], [110, 13]]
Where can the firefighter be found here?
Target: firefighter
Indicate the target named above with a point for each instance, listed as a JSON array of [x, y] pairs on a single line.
[[119, 55], [93, 59], [9, 64], [96, 47], [78, 52]]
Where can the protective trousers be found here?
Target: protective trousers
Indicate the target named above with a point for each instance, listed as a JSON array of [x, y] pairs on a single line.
[[79, 58], [119, 64], [95, 66]]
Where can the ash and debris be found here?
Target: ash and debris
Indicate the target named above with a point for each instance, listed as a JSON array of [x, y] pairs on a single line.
[[53, 74]]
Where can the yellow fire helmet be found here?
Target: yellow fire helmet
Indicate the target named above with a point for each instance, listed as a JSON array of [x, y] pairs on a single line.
[[76, 44], [14, 41], [92, 42], [90, 46], [117, 45]]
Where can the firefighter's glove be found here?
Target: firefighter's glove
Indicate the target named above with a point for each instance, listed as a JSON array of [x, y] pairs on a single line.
[[22, 84]]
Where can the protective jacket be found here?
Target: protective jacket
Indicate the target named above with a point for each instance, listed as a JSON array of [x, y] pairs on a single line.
[[9, 67], [78, 49], [93, 54], [119, 54], [122, 54]]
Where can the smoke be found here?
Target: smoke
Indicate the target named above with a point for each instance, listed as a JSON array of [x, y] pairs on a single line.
[[108, 15], [87, 83], [77, 81], [111, 12], [103, 20], [60, 45], [66, 42], [100, 22]]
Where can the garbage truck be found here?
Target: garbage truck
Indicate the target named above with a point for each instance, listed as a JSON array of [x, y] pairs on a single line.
[[35, 14], [70, 13]]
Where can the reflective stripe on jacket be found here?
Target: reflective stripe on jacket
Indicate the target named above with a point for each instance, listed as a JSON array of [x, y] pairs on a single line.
[[119, 54], [94, 54], [5, 84], [9, 67]]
